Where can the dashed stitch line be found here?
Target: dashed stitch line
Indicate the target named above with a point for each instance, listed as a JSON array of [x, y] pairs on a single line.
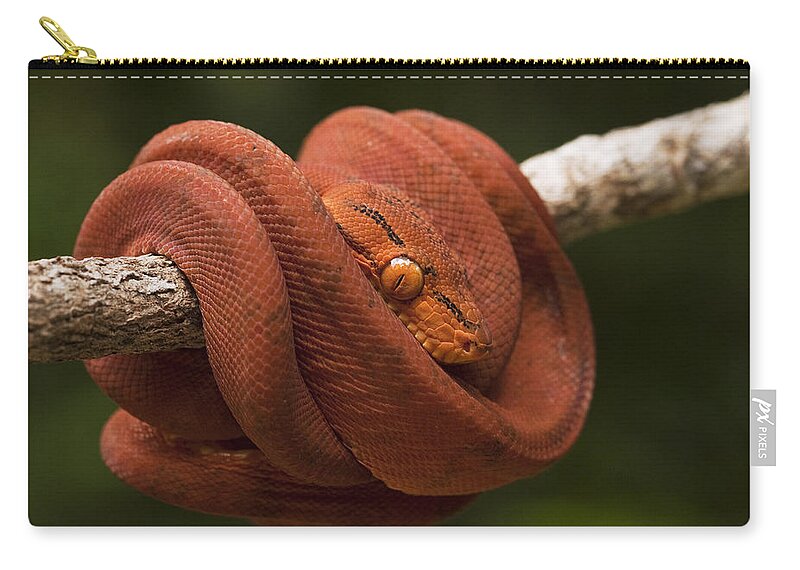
[[392, 77]]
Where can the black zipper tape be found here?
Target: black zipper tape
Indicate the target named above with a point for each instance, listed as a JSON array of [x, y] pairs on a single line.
[[381, 63]]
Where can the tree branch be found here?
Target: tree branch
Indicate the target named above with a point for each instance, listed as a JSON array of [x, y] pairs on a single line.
[[598, 182], [81, 309]]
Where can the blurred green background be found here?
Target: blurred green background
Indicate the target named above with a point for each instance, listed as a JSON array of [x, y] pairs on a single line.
[[666, 440]]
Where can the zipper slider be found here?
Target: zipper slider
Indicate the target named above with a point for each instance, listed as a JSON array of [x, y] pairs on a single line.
[[72, 52]]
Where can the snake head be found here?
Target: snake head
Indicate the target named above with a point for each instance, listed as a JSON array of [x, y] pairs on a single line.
[[408, 262]]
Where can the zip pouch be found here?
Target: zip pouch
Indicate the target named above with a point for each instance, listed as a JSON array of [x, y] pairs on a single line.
[[378, 292]]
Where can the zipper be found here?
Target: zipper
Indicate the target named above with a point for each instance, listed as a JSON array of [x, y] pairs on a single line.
[[76, 56], [72, 52]]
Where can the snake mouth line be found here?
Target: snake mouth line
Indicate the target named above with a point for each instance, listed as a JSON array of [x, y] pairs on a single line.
[[447, 344]]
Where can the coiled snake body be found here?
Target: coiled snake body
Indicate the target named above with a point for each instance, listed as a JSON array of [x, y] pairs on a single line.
[[391, 325]]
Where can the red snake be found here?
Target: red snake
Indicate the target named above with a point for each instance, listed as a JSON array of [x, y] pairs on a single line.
[[317, 399]]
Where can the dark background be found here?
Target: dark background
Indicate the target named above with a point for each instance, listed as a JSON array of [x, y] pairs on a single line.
[[666, 440]]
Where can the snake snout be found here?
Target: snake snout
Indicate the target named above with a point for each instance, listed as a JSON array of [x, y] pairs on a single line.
[[470, 347], [483, 335]]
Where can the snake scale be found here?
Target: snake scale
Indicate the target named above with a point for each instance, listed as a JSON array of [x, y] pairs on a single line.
[[391, 324]]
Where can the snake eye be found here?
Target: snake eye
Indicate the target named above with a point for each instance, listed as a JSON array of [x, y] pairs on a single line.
[[402, 279]]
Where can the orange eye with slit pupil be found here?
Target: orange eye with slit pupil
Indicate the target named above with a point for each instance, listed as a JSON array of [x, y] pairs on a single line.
[[402, 279]]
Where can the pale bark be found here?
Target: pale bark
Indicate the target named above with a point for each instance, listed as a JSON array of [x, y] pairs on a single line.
[[597, 182], [80, 309], [94, 307]]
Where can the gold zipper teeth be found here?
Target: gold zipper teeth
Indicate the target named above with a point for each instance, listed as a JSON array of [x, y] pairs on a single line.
[[449, 62], [75, 54]]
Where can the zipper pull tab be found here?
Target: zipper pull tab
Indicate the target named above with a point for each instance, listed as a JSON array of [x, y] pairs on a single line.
[[72, 52]]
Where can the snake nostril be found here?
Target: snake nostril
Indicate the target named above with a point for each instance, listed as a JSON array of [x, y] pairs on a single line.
[[467, 346]]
